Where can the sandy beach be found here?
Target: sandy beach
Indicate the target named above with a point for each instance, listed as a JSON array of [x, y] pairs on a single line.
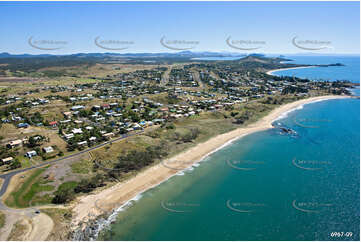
[[291, 68], [118, 195]]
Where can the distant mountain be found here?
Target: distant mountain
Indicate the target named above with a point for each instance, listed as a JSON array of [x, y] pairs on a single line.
[[7, 55], [188, 54], [257, 55]]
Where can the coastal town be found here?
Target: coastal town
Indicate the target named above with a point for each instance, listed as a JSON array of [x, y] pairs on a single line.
[[180, 120], [84, 115], [74, 133]]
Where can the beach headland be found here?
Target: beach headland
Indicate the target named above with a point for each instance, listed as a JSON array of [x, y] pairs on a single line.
[[104, 202], [284, 69]]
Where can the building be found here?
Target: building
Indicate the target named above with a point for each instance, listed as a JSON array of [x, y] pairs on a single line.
[[68, 136], [7, 160], [105, 106], [158, 121], [23, 125], [83, 143], [30, 154], [77, 107], [67, 114], [77, 131], [48, 149], [14, 143], [108, 135], [53, 123], [92, 139]]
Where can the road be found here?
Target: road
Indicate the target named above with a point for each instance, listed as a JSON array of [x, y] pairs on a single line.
[[196, 78], [165, 77], [38, 220], [7, 177]]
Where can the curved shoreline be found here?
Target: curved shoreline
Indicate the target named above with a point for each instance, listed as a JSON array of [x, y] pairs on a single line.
[[115, 198], [285, 69]]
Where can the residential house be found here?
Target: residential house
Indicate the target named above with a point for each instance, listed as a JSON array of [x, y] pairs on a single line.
[[53, 124], [23, 125], [14, 143], [68, 136], [7, 160], [48, 149], [77, 131], [77, 107], [30, 154], [82, 143]]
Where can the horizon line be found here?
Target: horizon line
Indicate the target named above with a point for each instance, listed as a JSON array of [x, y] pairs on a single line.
[[177, 52]]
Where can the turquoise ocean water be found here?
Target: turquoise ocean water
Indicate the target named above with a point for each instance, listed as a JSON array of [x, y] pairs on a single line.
[[267, 185]]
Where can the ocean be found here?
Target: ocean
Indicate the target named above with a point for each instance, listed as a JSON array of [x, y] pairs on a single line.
[[267, 185]]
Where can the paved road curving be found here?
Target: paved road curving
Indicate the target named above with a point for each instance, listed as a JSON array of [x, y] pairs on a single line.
[[31, 212], [7, 177]]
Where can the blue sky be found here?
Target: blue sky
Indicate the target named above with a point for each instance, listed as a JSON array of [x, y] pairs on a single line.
[[272, 25]]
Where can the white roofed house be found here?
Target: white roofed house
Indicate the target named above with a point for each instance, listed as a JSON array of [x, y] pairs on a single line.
[[136, 126], [30, 154], [77, 107], [68, 136], [77, 131], [82, 143], [14, 143], [92, 139], [48, 149], [6, 160], [108, 135], [78, 121], [65, 121]]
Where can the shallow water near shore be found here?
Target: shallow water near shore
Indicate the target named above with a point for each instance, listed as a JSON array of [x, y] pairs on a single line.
[[350, 71], [266, 186]]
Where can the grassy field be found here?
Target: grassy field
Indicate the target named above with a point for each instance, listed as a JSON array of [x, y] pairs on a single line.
[[81, 167], [66, 185], [26, 194], [2, 220]]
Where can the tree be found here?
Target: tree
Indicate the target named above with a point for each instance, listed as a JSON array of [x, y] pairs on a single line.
[[63, 195], [15, 164]]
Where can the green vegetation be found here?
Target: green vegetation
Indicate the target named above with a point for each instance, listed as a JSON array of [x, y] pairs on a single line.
[[67, 185], [137, 159], [65, 192], [2, 220], [16, 164], [29, 65], [81, 167], [88, 185], [23, 197]]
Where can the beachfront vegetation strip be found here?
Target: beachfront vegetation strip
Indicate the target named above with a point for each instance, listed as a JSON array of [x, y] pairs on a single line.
[[169, 104]]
